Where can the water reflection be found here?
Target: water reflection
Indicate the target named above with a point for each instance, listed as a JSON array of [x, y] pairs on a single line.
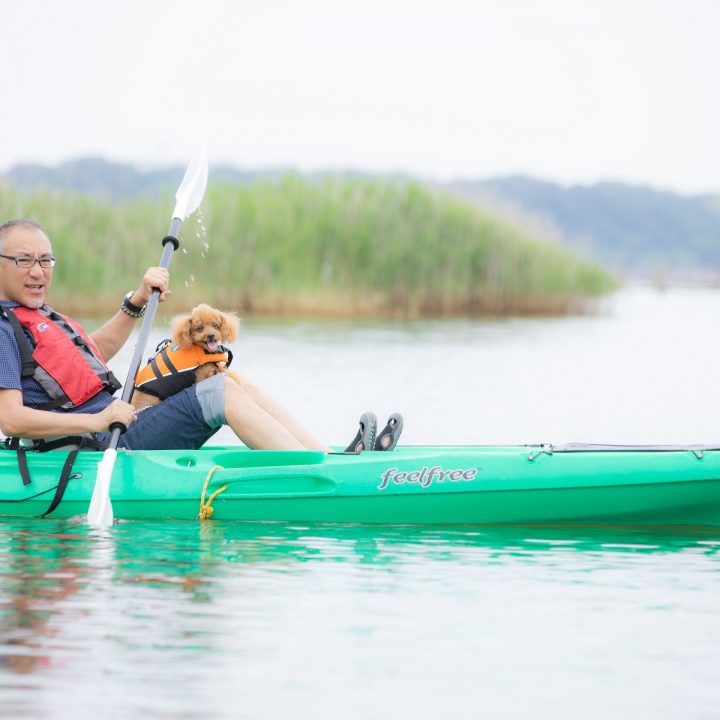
[[180, 611], [43, 567], [46, 562]]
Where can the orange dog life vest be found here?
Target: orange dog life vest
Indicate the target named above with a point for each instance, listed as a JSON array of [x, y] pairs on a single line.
[[172, 369]]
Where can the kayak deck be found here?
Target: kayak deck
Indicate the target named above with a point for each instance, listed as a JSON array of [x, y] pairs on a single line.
[[571, 484]]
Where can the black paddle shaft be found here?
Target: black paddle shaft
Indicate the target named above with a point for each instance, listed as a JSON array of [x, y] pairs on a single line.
[[170, 245]]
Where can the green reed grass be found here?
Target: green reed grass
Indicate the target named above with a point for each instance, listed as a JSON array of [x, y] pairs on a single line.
[[330, 247]]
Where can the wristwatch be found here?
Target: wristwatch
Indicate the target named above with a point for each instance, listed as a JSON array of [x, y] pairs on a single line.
[[129, 308]]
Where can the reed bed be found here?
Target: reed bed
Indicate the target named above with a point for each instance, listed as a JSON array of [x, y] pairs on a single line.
[[330, 247]]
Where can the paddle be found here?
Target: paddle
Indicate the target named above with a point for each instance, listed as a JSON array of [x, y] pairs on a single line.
[[187, 200]]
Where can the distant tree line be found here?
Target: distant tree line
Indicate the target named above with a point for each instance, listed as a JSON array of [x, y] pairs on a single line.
[[631, 229]]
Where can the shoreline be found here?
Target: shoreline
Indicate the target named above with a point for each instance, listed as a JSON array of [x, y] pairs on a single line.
[[349, 308]]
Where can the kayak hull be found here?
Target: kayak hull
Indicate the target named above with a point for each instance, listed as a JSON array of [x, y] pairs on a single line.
[[412, 485]]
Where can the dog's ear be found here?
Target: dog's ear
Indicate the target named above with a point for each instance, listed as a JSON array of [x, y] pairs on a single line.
[[181, 326], [229, 327]]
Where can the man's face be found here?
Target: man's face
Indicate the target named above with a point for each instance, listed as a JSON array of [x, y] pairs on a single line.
[[27, 286]]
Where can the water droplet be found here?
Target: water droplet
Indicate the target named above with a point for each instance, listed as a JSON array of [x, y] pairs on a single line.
[[184, 250]]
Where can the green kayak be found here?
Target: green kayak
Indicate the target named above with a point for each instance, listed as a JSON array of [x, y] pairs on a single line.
[[571, 484]]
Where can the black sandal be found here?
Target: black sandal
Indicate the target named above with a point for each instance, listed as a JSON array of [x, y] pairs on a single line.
[[388, 438], [365, 438]]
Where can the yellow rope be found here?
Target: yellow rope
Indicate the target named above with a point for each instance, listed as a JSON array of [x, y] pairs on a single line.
[[206, 510]]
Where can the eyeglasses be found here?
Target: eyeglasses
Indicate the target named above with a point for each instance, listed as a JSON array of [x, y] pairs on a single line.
[[25, 261]]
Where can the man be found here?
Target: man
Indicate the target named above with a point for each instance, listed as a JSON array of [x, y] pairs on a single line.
[[34, 403]]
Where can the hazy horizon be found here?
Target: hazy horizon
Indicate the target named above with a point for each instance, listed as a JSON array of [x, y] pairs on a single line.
[[149, 168]]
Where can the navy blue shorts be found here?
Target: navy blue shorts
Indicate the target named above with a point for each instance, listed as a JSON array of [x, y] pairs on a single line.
[[186, 420]]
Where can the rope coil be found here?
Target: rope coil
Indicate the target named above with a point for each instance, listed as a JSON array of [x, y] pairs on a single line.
[[206, 509]]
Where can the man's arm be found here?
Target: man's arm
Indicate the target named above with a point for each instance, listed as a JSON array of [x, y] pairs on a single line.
[[111, 336], [16, 420]]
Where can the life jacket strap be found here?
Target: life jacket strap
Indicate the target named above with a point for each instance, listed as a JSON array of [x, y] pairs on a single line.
[[168, 363], [27, 364], [50, 404]]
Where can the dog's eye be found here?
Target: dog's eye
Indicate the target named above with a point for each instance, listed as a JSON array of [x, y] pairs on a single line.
[[199, 328], [216, 326]]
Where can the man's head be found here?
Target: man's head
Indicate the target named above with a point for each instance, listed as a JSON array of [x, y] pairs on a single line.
[[21, 240]]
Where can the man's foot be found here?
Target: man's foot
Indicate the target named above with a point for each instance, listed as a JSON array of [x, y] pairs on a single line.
[[365, 438], [388, 438]]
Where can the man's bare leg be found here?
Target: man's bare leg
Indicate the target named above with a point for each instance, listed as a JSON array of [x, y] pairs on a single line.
[[270, 406], [262, 424]]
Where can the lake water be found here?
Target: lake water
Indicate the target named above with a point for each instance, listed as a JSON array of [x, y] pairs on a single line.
[[247, 620]]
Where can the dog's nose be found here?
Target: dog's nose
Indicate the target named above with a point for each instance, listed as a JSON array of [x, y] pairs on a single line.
[[211, 337]]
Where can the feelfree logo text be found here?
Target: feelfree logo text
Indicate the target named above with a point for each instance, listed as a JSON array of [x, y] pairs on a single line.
[[426, 476]]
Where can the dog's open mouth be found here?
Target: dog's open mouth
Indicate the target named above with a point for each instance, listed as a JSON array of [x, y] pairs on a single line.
[[211, 346]]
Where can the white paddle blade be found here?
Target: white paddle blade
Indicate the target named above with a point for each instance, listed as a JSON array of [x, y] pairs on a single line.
[[193, 185], [100, 512]]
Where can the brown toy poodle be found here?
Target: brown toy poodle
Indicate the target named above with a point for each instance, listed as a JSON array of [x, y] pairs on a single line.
[[179, 364]]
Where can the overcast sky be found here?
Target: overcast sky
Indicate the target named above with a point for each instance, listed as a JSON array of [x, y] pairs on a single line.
[[568, 90]]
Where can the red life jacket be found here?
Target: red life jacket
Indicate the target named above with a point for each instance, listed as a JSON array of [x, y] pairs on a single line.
[[172, 369], [64, 360]]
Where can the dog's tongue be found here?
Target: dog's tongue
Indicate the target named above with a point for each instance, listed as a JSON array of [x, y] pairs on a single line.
[[212, 346]]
